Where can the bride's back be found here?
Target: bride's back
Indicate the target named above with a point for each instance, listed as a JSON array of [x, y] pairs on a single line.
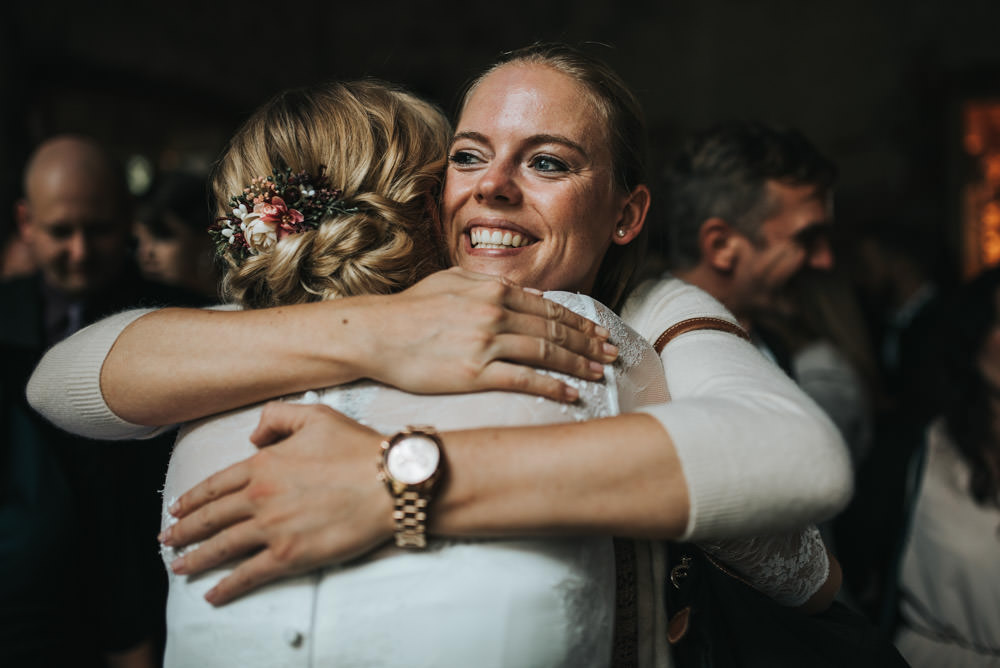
[[502, 602]]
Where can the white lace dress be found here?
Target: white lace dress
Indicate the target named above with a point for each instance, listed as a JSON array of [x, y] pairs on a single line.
[[510, 602], [758, 457]]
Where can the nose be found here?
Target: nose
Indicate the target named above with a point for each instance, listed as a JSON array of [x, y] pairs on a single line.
[[498, 185], [821, 257], [78, 247]]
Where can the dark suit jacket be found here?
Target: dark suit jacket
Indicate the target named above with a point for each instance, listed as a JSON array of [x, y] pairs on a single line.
[[79, 566]]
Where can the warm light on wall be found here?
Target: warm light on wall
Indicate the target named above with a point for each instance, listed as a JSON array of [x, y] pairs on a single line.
[[981, 191]]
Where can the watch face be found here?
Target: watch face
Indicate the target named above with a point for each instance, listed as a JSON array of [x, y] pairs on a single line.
[[412, 459]]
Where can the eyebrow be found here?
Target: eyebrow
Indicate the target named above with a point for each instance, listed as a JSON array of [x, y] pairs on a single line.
[[533, 140]]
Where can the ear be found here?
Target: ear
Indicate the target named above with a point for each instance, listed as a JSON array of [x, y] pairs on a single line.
[[22, 214], [633, 216], [718, 244]]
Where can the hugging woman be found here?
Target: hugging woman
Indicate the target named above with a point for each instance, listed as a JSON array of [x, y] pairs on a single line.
[[549, 148]]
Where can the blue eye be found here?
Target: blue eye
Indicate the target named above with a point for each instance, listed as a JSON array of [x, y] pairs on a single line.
[[545, 163]]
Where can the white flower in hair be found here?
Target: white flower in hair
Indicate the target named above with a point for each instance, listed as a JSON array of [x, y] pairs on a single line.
[[241, 211], [259, 233]]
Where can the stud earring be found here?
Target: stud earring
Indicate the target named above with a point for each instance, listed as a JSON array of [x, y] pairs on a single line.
[[621, 232]]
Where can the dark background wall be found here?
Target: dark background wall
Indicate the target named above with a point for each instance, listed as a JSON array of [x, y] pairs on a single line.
[[875, 83]]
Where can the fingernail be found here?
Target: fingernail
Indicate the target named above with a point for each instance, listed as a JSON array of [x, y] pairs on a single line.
[[177, 565], [609, 349], [597, 367], [533, 291], [601, 332], [211, 595], [174, 508], [571, 393], [164, 536]]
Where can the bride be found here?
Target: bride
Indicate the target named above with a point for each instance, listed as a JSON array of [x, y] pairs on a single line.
[[513, 602]]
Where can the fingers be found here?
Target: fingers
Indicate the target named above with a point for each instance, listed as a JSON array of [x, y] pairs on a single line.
[[220, 484], [278, 421], [532, 303], [516, 378], [541, 351], [252, 573], [234, 542], [204, 522]]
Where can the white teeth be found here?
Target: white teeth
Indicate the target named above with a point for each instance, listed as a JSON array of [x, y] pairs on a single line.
[[483, 238]]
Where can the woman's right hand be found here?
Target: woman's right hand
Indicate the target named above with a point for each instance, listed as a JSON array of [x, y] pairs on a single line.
[[458, 331]]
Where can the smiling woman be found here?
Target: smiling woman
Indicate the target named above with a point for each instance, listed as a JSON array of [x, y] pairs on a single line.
[[738, 450], [536, 153], [508, 172]]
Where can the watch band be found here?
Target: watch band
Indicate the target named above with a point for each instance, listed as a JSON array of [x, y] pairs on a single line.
[[410, 518], [410, 500]]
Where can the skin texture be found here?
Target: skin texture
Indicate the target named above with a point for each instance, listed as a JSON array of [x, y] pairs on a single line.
[[72, 218], [312, 495], [483, 330], [529, 159], [748, 275]]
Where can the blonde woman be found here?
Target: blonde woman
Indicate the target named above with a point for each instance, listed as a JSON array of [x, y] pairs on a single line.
[[562, 164]]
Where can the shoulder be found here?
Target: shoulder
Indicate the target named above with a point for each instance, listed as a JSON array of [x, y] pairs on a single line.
[[659, 303]]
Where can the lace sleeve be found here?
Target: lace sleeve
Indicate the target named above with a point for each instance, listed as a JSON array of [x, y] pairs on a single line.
[[637, 374], [789, 568]]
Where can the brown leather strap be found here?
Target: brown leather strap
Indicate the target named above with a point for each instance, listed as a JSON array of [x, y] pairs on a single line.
[[625, 643], [692, 324]]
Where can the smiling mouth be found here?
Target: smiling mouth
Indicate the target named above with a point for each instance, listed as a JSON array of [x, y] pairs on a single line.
[[491, 238]]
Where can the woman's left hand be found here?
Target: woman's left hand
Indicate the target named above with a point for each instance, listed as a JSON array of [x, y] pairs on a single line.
[[310, 499]]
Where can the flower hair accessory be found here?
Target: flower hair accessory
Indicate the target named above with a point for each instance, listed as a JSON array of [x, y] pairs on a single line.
[[271, 208]]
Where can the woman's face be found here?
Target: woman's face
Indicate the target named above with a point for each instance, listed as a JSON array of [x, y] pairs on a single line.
[[529, 191], [172, 261]]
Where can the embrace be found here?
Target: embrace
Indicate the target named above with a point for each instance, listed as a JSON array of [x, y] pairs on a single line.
[[340, 207]]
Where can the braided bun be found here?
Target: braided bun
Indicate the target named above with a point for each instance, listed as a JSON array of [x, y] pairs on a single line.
[[384, 148]]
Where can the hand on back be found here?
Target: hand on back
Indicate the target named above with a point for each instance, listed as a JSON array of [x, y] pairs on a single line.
[[458, 331]]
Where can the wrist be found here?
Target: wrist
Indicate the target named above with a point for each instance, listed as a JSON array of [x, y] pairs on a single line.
[[410, 464]]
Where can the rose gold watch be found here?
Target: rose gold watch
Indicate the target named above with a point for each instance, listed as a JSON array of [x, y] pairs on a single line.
[[410, 464]]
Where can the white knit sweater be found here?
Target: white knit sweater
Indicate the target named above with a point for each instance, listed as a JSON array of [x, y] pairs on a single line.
[[758, 455]]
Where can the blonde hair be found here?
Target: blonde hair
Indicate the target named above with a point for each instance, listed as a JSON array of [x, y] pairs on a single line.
[[384, 148]]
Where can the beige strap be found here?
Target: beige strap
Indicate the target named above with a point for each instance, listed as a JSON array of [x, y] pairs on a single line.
[[692, 324]]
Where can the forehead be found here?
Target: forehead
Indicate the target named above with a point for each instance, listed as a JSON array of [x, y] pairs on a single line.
[[532, 99], [795, 207], [62, 201]]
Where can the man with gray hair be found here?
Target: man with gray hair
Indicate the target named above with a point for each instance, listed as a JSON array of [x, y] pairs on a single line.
[[748, 207]]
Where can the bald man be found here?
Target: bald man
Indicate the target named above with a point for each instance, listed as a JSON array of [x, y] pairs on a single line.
[[80, 578], [75, 216]]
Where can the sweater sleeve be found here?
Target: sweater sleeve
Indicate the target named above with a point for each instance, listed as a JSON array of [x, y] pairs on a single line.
[[66, 386], [758, 455]]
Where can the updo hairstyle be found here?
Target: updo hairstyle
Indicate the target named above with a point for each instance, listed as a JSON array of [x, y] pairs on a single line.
[[625, 134], [384, 148]]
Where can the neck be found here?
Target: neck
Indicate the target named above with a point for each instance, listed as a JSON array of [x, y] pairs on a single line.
[[719, 286]]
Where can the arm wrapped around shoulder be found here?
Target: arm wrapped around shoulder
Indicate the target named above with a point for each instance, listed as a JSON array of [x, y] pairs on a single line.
[[758, 455], [66, 385]]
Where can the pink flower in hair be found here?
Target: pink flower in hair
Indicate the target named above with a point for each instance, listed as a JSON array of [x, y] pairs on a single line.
[[288, 221]]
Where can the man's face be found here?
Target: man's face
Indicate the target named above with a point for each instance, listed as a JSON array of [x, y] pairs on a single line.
[[795, 237], [76, 233]]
